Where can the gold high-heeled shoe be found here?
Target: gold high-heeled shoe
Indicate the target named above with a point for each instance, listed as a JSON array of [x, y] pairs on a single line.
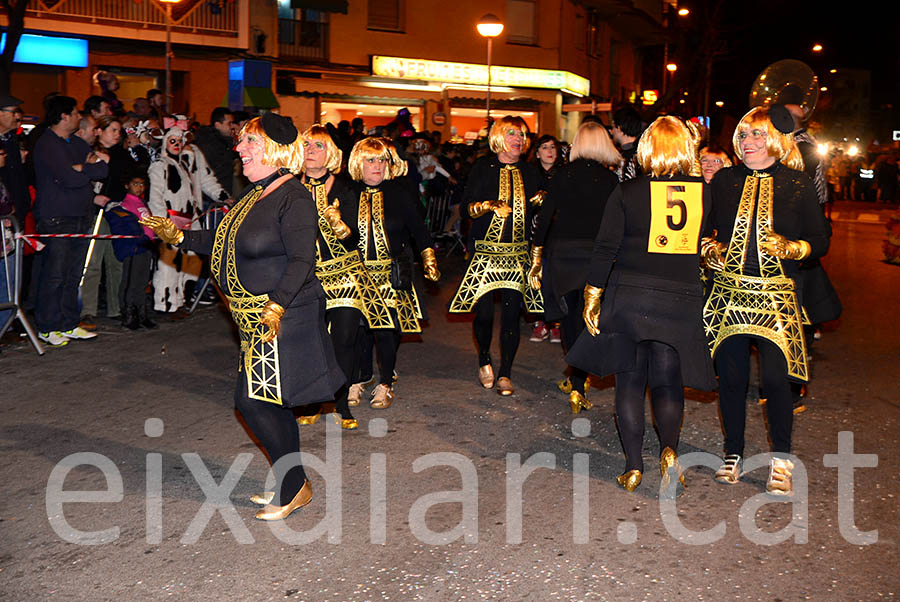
[[382, 397], [262, 499], [311, 419], [630, 480], [564, 385], [486, 376], [578, 402], [348, 424], [505, 386], [667, 461], [303, 497]]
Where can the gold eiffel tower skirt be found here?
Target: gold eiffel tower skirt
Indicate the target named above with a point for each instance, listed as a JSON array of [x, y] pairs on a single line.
[[763, 307], [406, 303], [347, 284], [497, 265], [259, 360]]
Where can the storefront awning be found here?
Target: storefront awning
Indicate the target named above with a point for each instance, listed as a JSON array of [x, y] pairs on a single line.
[[329, 6], [261, 98]]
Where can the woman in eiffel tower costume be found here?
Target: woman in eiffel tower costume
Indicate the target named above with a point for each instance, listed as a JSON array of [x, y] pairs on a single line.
[[500, 197], [384, 211], [352, 298], [263, 257], [767, 219], [645, 266]]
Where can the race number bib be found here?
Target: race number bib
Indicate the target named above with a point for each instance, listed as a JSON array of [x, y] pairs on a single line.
[[676, 213]]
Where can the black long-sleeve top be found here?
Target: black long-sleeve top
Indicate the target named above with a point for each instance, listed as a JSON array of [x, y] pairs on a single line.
[[625, 237], [61, 190], [575, 202], [796, 214], [275, 246], [402, 220], [121, 165], [484, 185], [340, 190]]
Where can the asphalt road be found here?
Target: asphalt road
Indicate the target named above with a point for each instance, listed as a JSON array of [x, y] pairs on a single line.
[[154, 409]]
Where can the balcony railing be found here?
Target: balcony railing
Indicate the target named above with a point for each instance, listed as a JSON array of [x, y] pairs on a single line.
[[188, 16], [303, 40]]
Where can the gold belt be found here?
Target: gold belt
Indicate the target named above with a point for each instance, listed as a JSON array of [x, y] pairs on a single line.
[[259, 360], [348, 284], [409, 311], [497, 265], [764, 307]]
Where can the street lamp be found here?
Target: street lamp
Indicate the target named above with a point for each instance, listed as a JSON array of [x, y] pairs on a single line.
[[169, 4], [489, 26], [817, 48]]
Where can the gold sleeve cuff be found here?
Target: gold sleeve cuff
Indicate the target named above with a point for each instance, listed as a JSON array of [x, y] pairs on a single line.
[[179, 238], [477, 209], [537, 254], [805, 249], [538, 199], [341, 230]]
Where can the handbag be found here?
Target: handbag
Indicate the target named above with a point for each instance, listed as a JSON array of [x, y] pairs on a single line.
[[401, 273]]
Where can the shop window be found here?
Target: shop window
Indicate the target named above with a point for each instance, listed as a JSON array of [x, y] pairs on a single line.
[[386, 15], [521, 22]]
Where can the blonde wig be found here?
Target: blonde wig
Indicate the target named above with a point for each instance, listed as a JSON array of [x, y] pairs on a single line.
[[719, 154], [668, 148], [781, 146], [375, 148], [593, 142], [497, 137], [333, 155], [288, 156]]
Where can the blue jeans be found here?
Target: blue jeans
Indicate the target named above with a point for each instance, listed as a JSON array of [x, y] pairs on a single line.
[[62, 263]]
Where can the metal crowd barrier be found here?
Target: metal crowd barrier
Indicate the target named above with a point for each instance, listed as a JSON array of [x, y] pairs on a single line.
[[437, 214], [210, 221], [12, 279]]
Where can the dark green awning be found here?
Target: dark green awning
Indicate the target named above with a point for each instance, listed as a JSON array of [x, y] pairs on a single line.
[[261, 98], [329, 6]]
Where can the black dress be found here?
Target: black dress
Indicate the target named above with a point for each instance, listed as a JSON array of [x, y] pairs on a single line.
[[567, 225], [271, 243], [654, 293]]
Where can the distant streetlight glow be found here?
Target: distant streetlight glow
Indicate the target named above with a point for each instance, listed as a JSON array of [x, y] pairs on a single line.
[[817, 48], [672, 67], [853, 150], [824, 89], [720, 103], [683, 12], [822, 149], [833, 71]]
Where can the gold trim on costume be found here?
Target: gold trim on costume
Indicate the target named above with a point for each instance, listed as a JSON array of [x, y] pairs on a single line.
[[259, 359], [409, 311], [764, 306], [497, 264], [344, 277]]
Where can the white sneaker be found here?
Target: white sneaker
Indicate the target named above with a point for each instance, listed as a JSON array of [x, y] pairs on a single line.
[[54, 338], [79, 333], [780, 480]]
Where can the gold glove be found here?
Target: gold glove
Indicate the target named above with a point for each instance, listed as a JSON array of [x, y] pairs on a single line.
[[776, 245], [538, 199], [535, 273], [429, 263], [332, 215], [271, 319], [479, 208], [165, 228], [591, 313], [711, 252]]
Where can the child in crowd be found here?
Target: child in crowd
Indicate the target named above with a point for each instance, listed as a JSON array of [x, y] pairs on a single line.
[[134, 253]]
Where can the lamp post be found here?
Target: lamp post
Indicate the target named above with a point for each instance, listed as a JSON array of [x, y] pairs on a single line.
[[169, 4], [489, 26]]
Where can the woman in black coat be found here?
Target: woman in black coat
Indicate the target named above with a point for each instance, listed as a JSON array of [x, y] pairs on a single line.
[[650, 330], [567, 225], [263, 258]]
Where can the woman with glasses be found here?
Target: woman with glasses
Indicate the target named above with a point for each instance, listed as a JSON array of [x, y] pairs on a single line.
[[712, 159]]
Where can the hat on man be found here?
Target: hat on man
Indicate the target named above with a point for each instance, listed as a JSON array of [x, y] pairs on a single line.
[[9, 101]]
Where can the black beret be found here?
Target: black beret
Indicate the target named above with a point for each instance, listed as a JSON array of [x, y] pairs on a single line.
[[278, 128], [781, 119]]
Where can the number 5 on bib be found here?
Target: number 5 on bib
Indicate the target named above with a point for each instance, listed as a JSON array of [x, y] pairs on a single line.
[[676, 213]]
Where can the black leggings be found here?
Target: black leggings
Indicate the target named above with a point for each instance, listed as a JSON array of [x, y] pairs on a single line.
[[733, 367], [483, 326], [345, 324], [571, 325], [387, 342], [658, 366], [276, 429]]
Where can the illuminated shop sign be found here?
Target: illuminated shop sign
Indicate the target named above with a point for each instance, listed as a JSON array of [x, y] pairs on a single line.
[[49, 50], [472, 74]]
